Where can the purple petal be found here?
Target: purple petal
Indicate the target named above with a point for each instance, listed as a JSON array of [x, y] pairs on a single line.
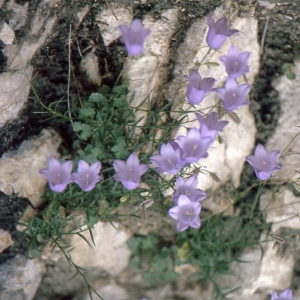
[[95, 167], [195, 223], [180, 226], [183, 200], [130, 185], [173, 212]]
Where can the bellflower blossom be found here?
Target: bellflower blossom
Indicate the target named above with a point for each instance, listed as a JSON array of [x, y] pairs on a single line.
[[218, 32], [87, 176], [210, 126], [193, 145], [57, 174], [134, 37], [284, 295], [198, 87], [186, 213], [233, 95], [129, 172], [169, 160], [235, 62], [263, 163], [189, 189]]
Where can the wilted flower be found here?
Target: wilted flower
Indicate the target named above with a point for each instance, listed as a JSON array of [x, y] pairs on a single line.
[[233, 95], [87, 176], [186, 213], [263, 163], [198, 87], [188, 188], [169, 160], [57, 174], [235, 63], [129, 172], [134, 37], [210, 125], [193, 146], [218, 32], [284, 295]]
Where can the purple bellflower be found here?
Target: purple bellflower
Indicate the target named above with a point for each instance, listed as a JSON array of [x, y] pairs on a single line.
[[186, 213], [235, 62], [198, 87], [57, 174], [210, 126], [193, 146], [87, 176], [134, 37], [263, 163], [233, 95], [218, 32], [129, 172], [284, 295], [189, 189], [169, 160]]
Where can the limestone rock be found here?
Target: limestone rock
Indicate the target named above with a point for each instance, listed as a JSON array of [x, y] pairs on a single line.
[[5, 240]]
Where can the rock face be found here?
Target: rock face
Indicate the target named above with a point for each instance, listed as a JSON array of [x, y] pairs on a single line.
[[35, 62]]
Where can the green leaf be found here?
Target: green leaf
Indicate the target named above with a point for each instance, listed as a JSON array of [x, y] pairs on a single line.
[[85, 130], [98, 98], [291, 76], [104, 90], [171, 275], [120, 149], [159, 263], [86, 113], [133, 245]]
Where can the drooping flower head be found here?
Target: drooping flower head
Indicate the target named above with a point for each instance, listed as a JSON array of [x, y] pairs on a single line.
[[193, 145], [189, 189], [87, 176], [218, 32], [210, 126], [284, 295], [263, 163], [134, 37], [129, 172], [235, 62], [169, 160], [57, 174], [198, 87], [233, 95], [186, 213]]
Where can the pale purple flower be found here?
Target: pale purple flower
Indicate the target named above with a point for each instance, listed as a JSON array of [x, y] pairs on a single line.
[[169, 160], [284, 295], [186, 213], [218, 32], [210, 126], [193, 146], [198, 87], [134, 37], [57, 174], [129, 172], [235, 62], [87, 176], [189, 189], [263, 163], [233, 95]]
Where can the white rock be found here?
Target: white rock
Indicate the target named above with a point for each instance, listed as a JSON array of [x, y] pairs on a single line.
[[90, 66], [6, 33], [5, 240], [111, 252], [108, 24], [31, 157]]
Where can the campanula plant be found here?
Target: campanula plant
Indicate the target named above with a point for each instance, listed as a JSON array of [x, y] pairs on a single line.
[[284, 295]]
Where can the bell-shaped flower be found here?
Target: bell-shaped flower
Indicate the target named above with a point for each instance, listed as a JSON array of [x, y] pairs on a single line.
[[264, 163], [188, 188], [186, 213], [57, 174], [284, 295], [233, 95], [169, 160], [235, 62], [193, 146], [210, 126], [198, 87], [218, 32], [87, 176], [134, 37], [129, 172]]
